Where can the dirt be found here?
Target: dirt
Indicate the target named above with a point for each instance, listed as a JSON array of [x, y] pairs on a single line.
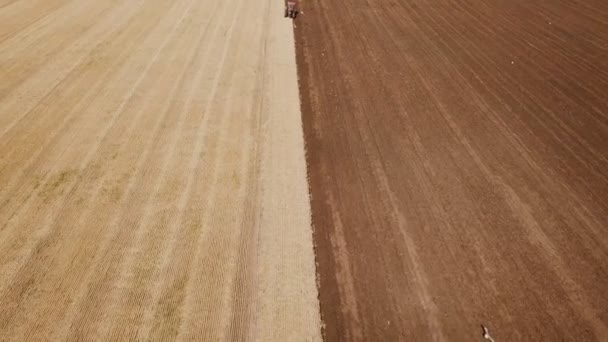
[[152, 173], [458, 165]]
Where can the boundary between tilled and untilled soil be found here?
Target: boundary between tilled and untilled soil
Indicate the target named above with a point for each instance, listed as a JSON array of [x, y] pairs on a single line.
[[329, 301]]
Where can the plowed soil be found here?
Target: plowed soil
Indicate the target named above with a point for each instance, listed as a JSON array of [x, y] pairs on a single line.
[[458, 160], [152, 173]]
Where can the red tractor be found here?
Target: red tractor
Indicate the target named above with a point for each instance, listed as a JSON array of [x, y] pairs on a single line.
[[291, 9]]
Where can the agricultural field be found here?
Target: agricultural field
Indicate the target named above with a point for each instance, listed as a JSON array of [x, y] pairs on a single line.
[[390, 170], [458, 160], [152, 173]]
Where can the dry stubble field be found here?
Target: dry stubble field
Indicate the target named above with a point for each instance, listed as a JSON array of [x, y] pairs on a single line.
[[152, 173]]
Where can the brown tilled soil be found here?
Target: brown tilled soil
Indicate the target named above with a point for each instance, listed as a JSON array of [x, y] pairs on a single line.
[[458, 159]]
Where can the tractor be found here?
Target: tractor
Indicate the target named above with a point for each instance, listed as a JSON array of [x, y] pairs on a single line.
[[291, 9]]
